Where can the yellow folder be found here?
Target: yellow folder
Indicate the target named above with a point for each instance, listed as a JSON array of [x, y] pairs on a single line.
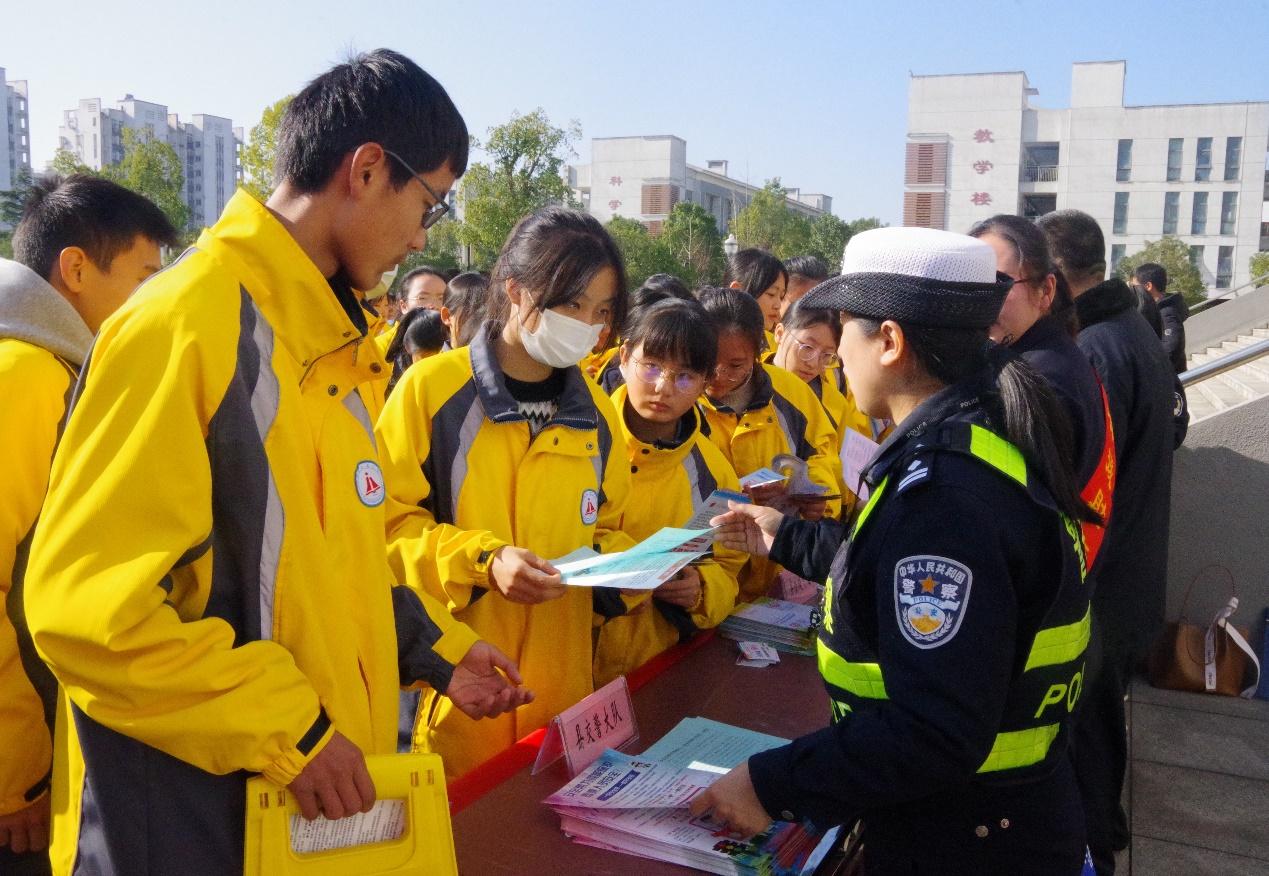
[[425, 846]]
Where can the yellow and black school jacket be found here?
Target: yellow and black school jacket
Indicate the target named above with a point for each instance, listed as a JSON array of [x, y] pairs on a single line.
[[466, 478], [952, 648], [668, 485], [209, 580], [784, 416], [43, 341]]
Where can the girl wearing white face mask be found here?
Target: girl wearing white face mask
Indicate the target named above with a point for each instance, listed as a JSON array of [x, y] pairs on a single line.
[[501, 455]]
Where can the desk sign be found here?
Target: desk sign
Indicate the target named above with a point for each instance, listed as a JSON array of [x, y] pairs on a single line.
[[581, 733]]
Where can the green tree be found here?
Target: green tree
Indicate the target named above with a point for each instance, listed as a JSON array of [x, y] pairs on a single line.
[[65, 163], [1174, 255], [768, 223], [261, 147], [6, 244], [13, 200], [643, 254], [523, 174], [1259, 266], [691, 236], [152, 168], [828, 238]]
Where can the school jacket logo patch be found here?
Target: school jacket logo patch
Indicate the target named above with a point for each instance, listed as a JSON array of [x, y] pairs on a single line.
[[931, 595], [590, 507], [369, 482]]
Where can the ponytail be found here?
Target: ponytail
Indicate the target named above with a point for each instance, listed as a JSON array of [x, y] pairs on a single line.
[[1037, 423]]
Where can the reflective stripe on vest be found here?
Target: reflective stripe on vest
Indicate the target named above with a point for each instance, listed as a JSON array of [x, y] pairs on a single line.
[[1020, 748], [1052, 646], [1057, 645], [861, 679]]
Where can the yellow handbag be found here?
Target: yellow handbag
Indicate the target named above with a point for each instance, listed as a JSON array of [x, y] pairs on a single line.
[[408, 831]]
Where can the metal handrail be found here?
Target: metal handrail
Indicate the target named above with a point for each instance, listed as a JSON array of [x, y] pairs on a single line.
[[1225, 363], [1229, 294]]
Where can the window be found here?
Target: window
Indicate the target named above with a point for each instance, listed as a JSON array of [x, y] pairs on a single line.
[[1229, 212], [1040, 162], [1198, 221], [1121, 213], [1233, 158], [1174, 159], [1123, 164], [1203, 160], [924, 209], [659, 199], [1116, 256], [925, 164], [1224, 267], [1196, 258], [1171, 209]]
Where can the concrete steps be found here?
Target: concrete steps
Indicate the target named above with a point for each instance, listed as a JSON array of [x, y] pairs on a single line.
[[1233, 388]]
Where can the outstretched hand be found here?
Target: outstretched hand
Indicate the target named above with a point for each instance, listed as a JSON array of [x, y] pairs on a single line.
[[487, 683], [748, 528]]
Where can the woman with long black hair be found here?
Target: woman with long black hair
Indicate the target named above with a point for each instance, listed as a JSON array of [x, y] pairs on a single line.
[[956, 613]]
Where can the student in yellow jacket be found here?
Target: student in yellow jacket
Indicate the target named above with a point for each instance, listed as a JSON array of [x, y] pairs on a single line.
[[209, 580], [757, 411], [806, 345], [502, 455], [83, 245], [668, 353], [762, 277]]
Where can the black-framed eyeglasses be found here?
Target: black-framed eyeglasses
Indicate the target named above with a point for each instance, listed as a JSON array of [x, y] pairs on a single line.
[[439, 208]]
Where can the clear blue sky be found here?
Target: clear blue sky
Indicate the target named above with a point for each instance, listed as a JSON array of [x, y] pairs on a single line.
[[814, 92]]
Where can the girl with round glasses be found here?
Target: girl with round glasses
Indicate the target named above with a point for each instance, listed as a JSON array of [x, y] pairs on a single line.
[[674, 468]]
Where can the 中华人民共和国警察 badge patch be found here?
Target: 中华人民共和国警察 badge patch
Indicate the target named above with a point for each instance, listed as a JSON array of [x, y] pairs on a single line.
[[930, 597]]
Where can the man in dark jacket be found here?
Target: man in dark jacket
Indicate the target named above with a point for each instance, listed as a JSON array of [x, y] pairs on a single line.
[[1132, 568], [1152, 279]]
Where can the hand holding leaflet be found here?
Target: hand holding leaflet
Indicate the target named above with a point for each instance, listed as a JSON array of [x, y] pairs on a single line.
[[645, 566]]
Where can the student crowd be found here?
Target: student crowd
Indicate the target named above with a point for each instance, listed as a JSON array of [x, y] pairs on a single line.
[[259, 520]]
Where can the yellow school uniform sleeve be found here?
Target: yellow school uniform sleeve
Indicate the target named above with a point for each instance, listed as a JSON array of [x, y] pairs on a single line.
[[824, 465], [436, 559], [719, 575], [129, 501], [34, 387]]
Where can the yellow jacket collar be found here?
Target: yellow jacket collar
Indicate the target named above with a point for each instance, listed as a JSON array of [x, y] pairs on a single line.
[[290, 291], [654, 452]]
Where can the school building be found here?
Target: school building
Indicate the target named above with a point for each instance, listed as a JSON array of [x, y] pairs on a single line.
[[644, 177], [976, 146]]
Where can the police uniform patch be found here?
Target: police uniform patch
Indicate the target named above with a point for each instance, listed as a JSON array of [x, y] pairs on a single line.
[[590, 507], [369, 483], [930, 597]]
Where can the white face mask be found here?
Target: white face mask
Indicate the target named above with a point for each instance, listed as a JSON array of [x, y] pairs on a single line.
[[560, 341]]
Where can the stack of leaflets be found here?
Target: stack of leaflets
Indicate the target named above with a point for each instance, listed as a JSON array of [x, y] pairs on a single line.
[[637, 805], [786, 626]]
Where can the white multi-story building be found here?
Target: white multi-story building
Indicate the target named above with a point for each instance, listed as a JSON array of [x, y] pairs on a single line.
[[208, 147], [976, 147], [15, 141], [644, 177]]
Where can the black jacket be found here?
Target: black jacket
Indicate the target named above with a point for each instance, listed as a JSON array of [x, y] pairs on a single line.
[[1172, 314], [907, 762], [1147, 308], [1048, 348], [1144, 397]]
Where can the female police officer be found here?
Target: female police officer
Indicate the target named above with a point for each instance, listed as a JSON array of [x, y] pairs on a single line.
[[955, 616]]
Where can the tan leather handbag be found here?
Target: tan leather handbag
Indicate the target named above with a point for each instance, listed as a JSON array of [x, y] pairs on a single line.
[[1205, 659]]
